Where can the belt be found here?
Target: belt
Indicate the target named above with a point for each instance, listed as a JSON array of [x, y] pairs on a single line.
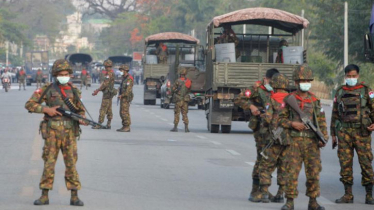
[[351, 125], [61, 123], [307, 133]]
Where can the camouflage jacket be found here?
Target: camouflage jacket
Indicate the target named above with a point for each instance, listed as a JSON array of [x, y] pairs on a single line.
[[181, 89], [39, 76], [21, 75], [107, 86], [311, 106], [126, 88]]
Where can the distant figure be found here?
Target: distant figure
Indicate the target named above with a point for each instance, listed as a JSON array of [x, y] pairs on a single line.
[[162, 53], [39, 78], [21, 78], [282, 45], [229, 36], [84, 78]]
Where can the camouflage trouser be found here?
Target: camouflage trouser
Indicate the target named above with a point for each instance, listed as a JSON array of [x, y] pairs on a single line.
[[60, 139], [277, 158], [181, 106], [84, 82], [106, 109], [124, 112], [350, 139], [260, 143], [303, 150], [38, 83], [21, 82]]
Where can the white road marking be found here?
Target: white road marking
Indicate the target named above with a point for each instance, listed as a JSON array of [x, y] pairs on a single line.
[[233, 152], [171, 140], [171, 124], [163, 119], [250, 163], [200, 137], [215, 143]]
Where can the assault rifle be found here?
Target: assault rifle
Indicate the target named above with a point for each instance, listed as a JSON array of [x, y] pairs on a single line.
[[276, 137], [77, 117], [291, 101]]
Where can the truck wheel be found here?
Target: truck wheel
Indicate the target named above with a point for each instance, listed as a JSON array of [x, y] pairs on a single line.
[[200, 107], [145, 102], [162, 104], [214, 128], [152, 102], [226, 128]]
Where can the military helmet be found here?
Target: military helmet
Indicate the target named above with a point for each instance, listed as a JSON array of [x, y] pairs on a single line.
[[279, 81], [108, 63], [283, 42], [303, 72], [124, 67], [61, 65], [183, 71]]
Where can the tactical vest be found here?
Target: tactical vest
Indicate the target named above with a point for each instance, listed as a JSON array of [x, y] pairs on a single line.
[[352, 105], [264, 97], [183, 91], [54, 98], [310, 110], [110, 91], [124, 87]]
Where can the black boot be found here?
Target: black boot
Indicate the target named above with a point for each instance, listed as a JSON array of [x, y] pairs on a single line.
[[313, 205], [278, 198], [43, 200], [289, 205], [108, 124], [369, 194], [348, 196], [74, 200], [175, 129], [186, 128], [255, 188]]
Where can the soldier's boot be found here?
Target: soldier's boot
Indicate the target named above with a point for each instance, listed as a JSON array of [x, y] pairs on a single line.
[[255, 188], [265, 194], [289, 205], [108, 124], [175, 129], [313, 205], [124, 129], [348, 196], [278, 198], [369, 194], [186, 128], [97, 126], [43, 200], [74, 200], [121, 129]]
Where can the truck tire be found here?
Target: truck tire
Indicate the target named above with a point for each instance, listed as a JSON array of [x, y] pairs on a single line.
[[145, 102], [162, 104], [214, 128], [152, 102], [201, 107], [226, 128]]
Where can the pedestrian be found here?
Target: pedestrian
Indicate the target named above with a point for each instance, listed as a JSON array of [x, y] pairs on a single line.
[[125, 96], [58, 132], [351, 127], [107, 87], [305, 145], [39, 78], [180, 91], [84, 74], [22, 79], [256, 99]]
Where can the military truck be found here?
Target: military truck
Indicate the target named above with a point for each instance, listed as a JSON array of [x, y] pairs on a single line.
[[154, 72], [231, 68], [80, 61], [35, 60], [118, 60]]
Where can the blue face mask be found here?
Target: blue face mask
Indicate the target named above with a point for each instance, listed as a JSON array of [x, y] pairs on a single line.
[[351, 81], [268, 87], [305, 86]]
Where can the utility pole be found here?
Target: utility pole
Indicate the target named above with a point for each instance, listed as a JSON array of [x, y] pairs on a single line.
[[302, 31], [345, 34], [6, 53]]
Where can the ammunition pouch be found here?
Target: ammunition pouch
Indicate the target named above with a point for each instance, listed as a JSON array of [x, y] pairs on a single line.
[[43, 129], [350, 125], [365, 122], [56, 125], [254, 123]]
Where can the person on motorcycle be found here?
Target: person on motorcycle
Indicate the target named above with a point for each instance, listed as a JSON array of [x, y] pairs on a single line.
[[6, 74]]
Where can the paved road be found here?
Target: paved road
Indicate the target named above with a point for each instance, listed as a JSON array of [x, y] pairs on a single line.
[[149, 168]]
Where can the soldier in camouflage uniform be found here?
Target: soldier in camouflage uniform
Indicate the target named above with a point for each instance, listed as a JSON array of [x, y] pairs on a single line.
[[59, 132], [22, 79], [84, 78], [162, 53], [305, 146], [39, 78], [229, 36], [107, 87], [180, 91], [125, 95], [277, 153], [256, 99], [351, 126]]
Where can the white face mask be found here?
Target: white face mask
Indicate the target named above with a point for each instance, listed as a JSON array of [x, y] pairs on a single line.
[[268, 87], [351, 81], [121, 73], [63, 80], [305, 86]]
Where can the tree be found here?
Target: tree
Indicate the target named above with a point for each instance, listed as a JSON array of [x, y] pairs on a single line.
[[109, 8]]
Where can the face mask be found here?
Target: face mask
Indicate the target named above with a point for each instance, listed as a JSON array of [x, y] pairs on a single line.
[[268, 87], [351, 81], [63, 80], [284, 47], [121, 73], [305, 86]]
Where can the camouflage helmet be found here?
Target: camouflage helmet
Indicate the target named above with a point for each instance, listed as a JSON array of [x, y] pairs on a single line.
[[279, 81], [61, 65], [124, 67], [183, 71], [283, 42], [108, 63], [303, 72]]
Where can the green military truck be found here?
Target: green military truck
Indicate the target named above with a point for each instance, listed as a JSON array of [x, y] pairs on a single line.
[[233, 67], [35, 60], [154, 71]]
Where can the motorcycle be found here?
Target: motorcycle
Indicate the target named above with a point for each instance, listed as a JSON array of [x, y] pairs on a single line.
[[6, 84]]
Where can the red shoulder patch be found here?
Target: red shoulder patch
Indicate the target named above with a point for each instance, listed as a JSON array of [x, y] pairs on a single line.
[[371, 94], [131, 77], [248, 93]]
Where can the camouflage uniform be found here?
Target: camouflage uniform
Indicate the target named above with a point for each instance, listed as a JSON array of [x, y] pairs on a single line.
[[230, 37], [162, 54], [22, 79], [107, 87], [181, 90], [84, 79], [59, 133], [127, 95], [304, 147], [353, 112], [39, 79]]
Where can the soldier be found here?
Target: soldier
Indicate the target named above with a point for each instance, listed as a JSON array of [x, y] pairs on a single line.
[[305, 146], [282, 44], [229, 36], [351, 126], [125, 95], [277, 153], [255, 99], [162, 53], [180, 91], [59, 132], [21, 79], [84, 78], [107, 87], [39, 78]]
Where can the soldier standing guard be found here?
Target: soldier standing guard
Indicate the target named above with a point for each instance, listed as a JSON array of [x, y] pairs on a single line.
[[351, 126], [305, 145], [59, 132], [180, 91], [39, 78], [107, 87], [21, 79], [125, 95]]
